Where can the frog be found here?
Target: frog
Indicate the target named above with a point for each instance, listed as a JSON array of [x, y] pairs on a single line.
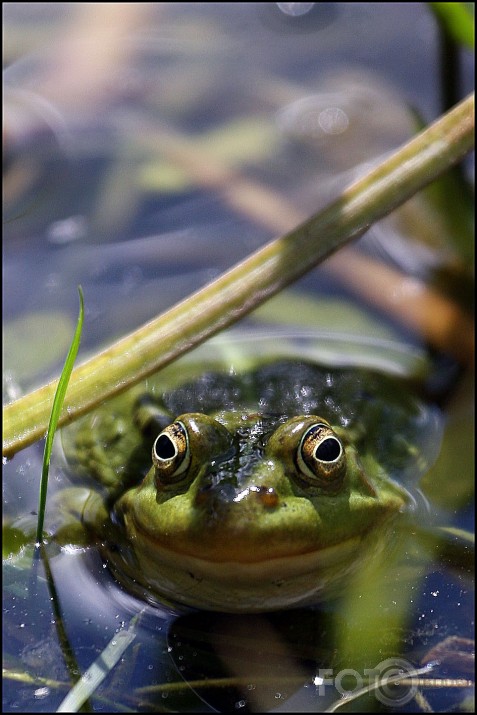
[[250, 491]]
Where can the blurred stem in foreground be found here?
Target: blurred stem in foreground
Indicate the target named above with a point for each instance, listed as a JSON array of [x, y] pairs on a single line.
[[251, 282], [455, 23]]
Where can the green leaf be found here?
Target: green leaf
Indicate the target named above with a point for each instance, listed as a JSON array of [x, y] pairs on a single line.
[[55, 414], [458, 20]]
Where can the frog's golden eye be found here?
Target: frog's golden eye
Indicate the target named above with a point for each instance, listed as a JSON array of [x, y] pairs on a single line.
[[321, 458], [171, 453], [193, 442]]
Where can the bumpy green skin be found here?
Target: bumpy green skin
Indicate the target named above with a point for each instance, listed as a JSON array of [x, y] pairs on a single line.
[[243, 530]]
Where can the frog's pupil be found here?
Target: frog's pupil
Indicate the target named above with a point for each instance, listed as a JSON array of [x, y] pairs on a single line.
[[164, 447], [328, 450]]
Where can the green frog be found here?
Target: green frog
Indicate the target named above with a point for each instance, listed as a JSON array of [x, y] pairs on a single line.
[[250, 492]]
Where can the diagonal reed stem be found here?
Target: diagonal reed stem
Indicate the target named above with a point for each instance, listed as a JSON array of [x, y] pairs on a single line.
[[249, 283]]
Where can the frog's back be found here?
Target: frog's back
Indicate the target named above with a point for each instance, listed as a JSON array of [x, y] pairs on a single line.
[[109, 445], [381, 409]]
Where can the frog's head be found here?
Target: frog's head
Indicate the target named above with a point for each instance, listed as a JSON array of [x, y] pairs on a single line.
[[248, 511]]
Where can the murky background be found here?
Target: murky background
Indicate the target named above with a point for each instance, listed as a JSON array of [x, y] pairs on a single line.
[[147, 148]]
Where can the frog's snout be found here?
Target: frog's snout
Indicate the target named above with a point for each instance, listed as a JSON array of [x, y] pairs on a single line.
[[267, 496], [226, 495]]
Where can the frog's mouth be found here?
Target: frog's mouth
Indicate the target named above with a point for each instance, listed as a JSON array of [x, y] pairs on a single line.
[[159, 574], [254, 570], [244, 581]]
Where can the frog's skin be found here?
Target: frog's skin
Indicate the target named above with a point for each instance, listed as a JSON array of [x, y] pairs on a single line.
[[266, 491]]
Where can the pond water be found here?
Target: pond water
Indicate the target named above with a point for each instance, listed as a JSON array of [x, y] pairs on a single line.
[[148, 148]]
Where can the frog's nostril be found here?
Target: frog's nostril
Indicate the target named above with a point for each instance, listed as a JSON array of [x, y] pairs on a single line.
[[266, 495]]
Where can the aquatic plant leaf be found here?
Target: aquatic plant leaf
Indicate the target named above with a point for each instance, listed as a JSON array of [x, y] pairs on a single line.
[[457, 19]]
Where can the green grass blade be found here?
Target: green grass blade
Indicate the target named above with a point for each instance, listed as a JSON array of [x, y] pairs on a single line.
[[55, 414]]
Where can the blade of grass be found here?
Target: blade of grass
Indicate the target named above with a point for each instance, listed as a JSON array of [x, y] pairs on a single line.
[[251, 282], [55, 414], [67, 651], [97, 672]]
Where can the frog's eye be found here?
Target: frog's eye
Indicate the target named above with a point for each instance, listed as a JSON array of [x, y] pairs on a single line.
[[171, 453], [321, 458], [188, 445]]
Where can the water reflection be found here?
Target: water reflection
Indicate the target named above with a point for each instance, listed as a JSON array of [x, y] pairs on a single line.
[[250, 662]]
